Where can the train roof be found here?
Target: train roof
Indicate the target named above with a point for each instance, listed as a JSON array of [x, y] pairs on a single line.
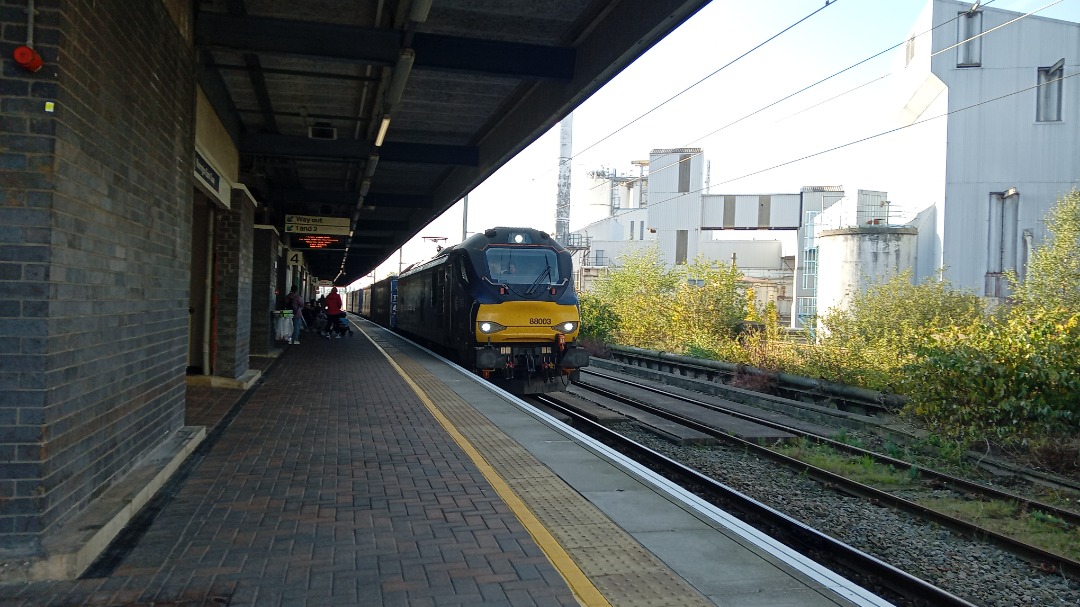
[[509, 236], [491, 236]]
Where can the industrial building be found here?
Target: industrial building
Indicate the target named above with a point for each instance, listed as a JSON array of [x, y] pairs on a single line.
[[981, 221], [669, 208], [1009, 141]]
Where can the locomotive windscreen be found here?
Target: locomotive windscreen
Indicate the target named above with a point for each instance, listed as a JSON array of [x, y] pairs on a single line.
[[513, 265]]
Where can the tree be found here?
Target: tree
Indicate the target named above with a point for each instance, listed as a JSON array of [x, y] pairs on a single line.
[[708, 305], [681, 309], [639, 292], [1053, 272], [881, 330]]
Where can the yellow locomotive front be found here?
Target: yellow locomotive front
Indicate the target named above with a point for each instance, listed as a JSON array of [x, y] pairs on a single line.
[[526, 318]]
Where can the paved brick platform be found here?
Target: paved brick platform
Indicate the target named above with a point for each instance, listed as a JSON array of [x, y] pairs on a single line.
[[327, 484]]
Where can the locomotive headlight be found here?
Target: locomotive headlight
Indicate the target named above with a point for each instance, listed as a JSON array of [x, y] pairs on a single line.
[[566, 327], [488, 327]]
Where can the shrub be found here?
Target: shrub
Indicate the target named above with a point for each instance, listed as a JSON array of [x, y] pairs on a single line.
[[1011, 381], [1053, 274], [880, 332], [599, 321], [676, 310]]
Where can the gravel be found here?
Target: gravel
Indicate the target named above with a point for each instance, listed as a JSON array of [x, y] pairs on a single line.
[[979, 573]]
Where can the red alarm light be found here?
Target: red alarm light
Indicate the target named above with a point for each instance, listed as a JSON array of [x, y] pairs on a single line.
[[27, 58]]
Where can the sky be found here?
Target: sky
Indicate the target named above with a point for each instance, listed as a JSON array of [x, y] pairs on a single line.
[[680, 94]]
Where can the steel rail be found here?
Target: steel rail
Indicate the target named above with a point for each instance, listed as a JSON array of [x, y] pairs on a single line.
[[954, 483], [1047, 561], [797, 535], [796, 383]]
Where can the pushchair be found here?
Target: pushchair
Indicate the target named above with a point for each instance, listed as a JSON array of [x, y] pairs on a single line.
[[339, 327]]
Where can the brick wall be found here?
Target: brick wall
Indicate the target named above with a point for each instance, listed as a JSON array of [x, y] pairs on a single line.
[[264, 263], [232, 271], [95, 236]]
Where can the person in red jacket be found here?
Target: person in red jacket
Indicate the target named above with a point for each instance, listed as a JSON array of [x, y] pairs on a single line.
[[333, 310]]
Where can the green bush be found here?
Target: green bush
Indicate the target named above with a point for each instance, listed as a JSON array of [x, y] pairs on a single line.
[[1012, 378], [871, 340], [1012, 381], [676, 309], [599, 321]]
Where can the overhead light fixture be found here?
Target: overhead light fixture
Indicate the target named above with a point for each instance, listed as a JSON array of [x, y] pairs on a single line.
[[322, 130], [382, 131], [365, 185], [369, 168], [399, 77]]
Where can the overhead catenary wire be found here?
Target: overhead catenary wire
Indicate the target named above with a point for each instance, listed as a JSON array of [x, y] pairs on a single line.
[[827, 4], [893, 47], [900, 128], [875, 136], [981, 34], [846, 69], [810, 86]]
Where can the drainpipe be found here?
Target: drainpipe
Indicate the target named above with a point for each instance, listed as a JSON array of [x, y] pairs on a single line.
[[1029, 248], [208, 292], [26, 56]]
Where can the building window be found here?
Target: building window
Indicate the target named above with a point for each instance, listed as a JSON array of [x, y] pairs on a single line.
[[631, 230], [1049, 92], [681, 242], [968, 26], [1002, 241], [810, 269], [684, 172], [910, 51], [641, 231]]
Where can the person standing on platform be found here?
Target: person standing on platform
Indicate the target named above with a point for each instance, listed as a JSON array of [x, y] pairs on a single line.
[[333, 311], [296, 304]]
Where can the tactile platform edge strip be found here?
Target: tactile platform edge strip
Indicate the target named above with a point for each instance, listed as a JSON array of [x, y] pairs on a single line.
[[622, 570]]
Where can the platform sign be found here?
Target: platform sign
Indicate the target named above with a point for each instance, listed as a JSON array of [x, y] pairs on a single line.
[[296, 228], [314, 224], [319, 241]]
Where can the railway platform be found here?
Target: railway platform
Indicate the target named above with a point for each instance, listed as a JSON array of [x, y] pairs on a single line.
[[365, 471]]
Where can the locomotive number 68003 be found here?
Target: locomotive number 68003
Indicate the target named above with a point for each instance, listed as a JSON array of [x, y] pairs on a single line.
[[502, 302]]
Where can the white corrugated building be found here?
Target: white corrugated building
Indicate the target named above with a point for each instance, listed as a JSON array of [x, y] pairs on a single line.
[[670, 209], [1012, 133]]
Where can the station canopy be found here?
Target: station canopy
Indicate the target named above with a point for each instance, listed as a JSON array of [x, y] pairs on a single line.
[[383, 114]]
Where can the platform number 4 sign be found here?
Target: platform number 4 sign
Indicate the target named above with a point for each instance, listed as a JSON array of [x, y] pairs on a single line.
[[295, 259]]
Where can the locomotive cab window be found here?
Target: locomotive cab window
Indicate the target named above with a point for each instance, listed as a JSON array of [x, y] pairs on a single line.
[[523, 266]]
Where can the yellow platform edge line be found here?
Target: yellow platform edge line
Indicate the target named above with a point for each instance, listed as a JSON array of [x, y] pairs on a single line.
[[584, 590]]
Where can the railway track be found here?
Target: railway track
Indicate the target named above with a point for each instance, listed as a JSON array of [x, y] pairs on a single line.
[[925, 481], [858, 410], [939, 480], [842, 397], [888, 581]]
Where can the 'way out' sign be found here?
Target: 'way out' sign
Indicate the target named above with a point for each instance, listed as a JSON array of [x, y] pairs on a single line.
[[310, 224]]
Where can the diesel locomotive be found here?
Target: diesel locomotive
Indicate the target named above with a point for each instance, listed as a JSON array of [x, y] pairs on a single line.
[[501, 303]]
